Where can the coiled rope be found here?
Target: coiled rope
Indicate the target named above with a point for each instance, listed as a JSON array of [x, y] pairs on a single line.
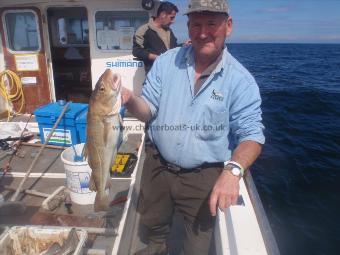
[[13, 92]]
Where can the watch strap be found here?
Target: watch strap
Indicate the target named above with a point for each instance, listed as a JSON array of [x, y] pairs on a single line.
[[234, 163]]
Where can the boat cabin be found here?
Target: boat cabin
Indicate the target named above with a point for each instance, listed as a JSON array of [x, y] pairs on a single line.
[[60, 48]]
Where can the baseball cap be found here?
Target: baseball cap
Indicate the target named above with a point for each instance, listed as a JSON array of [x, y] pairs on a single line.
[[220, 6]]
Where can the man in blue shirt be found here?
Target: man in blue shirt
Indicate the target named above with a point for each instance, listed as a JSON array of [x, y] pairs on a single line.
[[203, 110]]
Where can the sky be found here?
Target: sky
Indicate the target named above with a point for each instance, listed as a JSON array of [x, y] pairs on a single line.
[[276, 21]]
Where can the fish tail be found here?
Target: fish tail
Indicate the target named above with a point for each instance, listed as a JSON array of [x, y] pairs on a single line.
[[101, 202]]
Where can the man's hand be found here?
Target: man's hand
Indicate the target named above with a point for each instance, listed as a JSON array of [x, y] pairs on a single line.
[[126, 95], [227, 188], [152, 56], [135, 105], [225, 192], [187, 42]]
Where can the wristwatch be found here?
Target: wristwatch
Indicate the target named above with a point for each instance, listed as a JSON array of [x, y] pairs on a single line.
[[235, 168]]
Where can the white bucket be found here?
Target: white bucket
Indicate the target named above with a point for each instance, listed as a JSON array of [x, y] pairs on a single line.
[[78, 176]]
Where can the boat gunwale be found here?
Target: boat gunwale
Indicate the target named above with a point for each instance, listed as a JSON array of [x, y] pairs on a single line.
[[262, 219]]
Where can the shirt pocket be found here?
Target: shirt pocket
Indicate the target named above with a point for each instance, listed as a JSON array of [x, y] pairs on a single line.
[[212, 125]]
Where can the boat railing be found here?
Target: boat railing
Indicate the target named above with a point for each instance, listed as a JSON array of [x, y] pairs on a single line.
[[267, 233], [244, 229]]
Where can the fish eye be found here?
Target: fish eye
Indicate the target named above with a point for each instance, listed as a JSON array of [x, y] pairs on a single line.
[[101, 88]]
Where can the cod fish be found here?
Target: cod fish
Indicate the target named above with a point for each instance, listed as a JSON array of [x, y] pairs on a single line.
[[103, 135]]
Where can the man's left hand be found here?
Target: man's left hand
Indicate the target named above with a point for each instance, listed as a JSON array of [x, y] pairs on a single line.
[[225, 192]]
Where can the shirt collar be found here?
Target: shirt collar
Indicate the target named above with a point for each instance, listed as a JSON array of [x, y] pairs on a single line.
[[190, 60], [152, 26]]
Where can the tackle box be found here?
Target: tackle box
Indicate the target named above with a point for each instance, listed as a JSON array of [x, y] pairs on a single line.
[[66, 132], [81, 121]]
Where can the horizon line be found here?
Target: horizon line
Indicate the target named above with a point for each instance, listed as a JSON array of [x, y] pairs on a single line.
[[333, 43]]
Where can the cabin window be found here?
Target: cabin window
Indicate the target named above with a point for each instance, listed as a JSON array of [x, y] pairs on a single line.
[[22, 31], [72, 31], [68, 26], [115, 29]]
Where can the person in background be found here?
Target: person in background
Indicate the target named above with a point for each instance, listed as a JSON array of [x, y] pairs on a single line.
[[203, 109], [155, 37]]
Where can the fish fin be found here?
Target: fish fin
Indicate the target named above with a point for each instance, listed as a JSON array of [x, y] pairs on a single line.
[[85, 151], [108, 184], [120, 121], [92, 184], [102, 203], [113, 159]]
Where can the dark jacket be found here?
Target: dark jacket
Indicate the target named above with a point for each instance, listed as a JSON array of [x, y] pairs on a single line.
[[146, 40]]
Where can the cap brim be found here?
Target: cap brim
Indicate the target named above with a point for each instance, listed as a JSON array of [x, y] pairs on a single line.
[[199, 10]]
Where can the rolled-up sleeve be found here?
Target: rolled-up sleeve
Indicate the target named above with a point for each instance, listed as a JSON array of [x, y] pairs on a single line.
[[246, 115], [152, 87]]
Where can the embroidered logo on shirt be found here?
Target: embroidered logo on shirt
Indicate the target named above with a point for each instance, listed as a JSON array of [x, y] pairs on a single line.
[[217, 95]]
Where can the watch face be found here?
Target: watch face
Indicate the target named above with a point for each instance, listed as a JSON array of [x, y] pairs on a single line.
[[236, 171]]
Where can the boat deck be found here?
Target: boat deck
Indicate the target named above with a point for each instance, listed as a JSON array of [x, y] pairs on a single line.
[[238, 229], [47, 175]]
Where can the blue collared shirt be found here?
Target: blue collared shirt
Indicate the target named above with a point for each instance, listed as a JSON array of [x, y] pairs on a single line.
[[190, 129]]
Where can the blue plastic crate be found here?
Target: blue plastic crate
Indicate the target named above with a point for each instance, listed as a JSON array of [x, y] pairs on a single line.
[[81, 123], [66, 131]]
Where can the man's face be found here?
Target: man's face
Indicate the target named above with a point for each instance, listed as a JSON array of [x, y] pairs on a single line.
[[208, 32], [168, 19]]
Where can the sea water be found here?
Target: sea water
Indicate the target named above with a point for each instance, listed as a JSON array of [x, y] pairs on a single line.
[[298, 173]]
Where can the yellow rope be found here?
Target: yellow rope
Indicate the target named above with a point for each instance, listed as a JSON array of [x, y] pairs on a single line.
[[14, 92]]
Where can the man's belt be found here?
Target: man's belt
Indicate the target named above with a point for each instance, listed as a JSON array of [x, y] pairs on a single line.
[[177, 169]]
